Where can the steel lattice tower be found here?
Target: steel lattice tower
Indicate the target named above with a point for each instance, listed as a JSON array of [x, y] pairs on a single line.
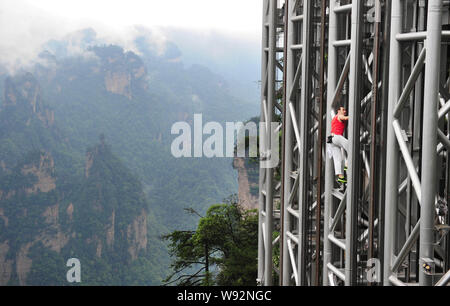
[[388, 63]]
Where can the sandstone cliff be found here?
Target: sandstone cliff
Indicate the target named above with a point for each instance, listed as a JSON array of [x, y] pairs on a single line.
[[122, 72], [40, 173], [248, 182], [103, 216], [24, 92]]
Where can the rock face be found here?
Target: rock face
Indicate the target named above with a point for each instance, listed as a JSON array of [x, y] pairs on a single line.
[[118, 83], [54, 238], [29, 208], [110, 231], [69, 211], [248, 198], [43, 170], [123, 226], [26, 125], [89, 162], [47, 227], [23, 91], [39, 225], [23, 263], [2, 215], [123, 71], [6, 265], [137, 235], [111, 219]]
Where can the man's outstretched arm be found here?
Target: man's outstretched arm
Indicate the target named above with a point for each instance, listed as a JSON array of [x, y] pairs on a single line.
[[343, 118]]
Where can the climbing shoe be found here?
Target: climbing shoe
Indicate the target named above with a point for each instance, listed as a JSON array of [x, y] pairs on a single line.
[[341, 186], [342, 180]]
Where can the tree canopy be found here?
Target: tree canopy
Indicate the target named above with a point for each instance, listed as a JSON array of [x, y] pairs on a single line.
[[221, 251]]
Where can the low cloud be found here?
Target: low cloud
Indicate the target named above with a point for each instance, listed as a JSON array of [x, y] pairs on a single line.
[[25, 31], [22, 33]]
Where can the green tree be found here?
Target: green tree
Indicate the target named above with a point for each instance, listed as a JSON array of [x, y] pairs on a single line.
[[187, 255], [221, 251]]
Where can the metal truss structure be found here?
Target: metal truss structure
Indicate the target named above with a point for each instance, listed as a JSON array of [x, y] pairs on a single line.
[[388, 63]]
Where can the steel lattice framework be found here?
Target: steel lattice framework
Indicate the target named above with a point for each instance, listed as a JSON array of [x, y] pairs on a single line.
[[388, 63]]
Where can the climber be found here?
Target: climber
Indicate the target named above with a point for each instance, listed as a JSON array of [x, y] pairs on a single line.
[[338, 142]]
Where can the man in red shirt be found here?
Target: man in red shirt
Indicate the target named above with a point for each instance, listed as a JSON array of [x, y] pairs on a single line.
[[339, 142]]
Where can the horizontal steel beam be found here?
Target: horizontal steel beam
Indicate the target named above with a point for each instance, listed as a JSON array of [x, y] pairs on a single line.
[[412, 36]]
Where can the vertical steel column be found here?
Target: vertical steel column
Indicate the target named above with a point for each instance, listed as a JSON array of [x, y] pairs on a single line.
[[320, 138], [288, 134], [383, 130], [262, 171], [429, 141], [304, 137], [374, 142], [354, 140], [286, 163], [417, 128], [329, 176], [271, 78], [265, 263], [392, 155]]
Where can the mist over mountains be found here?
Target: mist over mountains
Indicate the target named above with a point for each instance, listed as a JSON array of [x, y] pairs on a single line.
[[85, 164]]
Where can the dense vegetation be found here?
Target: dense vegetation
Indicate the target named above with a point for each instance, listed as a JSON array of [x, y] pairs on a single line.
[[51, 119], [222, 250], [110, 199]]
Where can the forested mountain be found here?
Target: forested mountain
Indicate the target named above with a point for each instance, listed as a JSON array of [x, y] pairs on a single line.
[[85, 164]]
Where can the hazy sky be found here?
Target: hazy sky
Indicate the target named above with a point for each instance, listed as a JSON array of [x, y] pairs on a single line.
[[228, 15], [26, 24]]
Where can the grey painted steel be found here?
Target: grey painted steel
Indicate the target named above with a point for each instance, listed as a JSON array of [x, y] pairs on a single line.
[[444, 280], [270, 102], [266, 175], [320, 144], [300, 151], [408, 137], [422, 178], [329, 172], [261, 250], [294, 218], [345, 84], [292, 140], [410, 84], [416, 139], [269, 187], [373, 132], [303, 159], [392, 156], [429, 140], [354, 143], [287, 151]]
